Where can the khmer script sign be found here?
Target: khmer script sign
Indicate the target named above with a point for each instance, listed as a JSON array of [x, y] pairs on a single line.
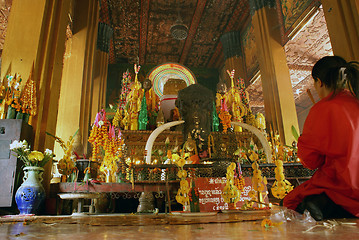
[[210, 194]]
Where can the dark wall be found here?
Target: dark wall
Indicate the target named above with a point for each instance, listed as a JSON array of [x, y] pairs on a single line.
[[206, 77]]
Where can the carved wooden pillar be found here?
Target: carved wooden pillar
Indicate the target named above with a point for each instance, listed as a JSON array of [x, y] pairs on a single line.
[[277, 89]]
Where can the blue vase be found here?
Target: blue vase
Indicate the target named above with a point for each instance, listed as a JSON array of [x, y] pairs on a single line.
[[31, 193]]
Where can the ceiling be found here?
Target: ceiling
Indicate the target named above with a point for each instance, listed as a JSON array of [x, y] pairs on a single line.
[[142, 30]]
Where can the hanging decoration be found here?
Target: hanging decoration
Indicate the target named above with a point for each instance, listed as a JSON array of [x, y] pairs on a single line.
[[182, 196], [281, 187], [104, 35], [259, 183], [230, 193]]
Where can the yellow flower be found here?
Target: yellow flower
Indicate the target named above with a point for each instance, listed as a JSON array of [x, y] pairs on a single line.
[[266, 223], [180, 162], [184, 184], [175, 157], [182, 173], [231, 167], [253, 156], [36, 155]]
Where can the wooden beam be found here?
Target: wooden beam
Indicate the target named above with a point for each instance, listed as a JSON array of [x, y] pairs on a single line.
[[145, 6], [192, 30]]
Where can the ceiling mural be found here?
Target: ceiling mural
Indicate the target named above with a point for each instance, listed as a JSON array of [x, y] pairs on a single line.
[[144, 30]]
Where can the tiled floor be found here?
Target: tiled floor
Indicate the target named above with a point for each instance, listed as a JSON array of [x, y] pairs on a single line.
[[168, 226]]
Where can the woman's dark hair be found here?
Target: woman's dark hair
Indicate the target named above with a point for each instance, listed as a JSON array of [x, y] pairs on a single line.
[[335, 73]]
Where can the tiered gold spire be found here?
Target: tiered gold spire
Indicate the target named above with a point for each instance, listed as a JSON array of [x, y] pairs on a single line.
[[28, 96]]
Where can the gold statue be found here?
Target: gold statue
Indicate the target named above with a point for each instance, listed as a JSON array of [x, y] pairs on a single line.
[[133, 104]]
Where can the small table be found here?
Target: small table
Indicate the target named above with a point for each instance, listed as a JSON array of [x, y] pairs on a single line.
[[80, 196]]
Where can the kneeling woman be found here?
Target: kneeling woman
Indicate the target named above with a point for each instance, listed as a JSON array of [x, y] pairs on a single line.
[[330, 144]]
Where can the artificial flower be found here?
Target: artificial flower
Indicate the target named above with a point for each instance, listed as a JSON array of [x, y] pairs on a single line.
[[175, 157], [36, 156], [30, 158]]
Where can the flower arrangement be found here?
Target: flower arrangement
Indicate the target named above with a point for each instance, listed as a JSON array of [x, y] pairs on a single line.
[[281, 187], [107, 142], [31, 158], [66, 165], [16, 103], [182, 196], [9, 91], [258, 192], [245, 155], [231, 193]]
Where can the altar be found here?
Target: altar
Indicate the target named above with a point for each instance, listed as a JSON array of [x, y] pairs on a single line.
[[203, 153]]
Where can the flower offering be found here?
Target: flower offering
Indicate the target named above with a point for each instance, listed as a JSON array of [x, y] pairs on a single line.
[[31, 158]]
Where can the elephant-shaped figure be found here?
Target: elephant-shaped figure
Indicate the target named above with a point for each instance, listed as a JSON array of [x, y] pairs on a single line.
[[195, 105]]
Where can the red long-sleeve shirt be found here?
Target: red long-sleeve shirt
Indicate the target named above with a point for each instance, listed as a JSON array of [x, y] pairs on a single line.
[[330, 144]]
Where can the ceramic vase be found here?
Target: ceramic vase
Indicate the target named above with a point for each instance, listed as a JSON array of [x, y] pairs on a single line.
[[82, 164], [31, 193]]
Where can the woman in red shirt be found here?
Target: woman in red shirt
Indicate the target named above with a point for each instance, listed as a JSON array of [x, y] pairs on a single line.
[[330, 144]]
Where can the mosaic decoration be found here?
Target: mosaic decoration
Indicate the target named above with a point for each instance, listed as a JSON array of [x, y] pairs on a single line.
[[160, 74], [249, 50]]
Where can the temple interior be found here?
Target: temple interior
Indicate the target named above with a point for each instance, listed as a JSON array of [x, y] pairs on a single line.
[[162, 119]]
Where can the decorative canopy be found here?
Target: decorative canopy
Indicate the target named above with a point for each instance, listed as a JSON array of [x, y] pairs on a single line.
[[160, 74]]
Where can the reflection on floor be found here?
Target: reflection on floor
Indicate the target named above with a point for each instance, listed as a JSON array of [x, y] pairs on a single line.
[[238, 225]]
